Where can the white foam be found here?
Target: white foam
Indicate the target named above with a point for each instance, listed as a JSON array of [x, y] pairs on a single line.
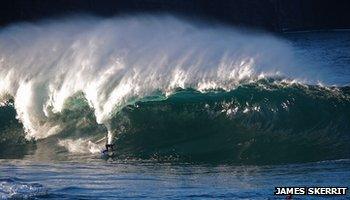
[[11, 189], [113, 60], [80, 146]]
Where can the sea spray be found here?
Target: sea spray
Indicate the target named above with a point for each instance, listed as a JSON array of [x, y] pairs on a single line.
[[114, 60]]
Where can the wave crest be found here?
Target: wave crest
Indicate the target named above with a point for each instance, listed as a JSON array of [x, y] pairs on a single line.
[[115, 60]]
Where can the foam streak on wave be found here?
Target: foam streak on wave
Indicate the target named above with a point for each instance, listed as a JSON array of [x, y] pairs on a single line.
[[114, 60]]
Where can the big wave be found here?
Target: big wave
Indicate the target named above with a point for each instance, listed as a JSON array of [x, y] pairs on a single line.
[[166, 88]]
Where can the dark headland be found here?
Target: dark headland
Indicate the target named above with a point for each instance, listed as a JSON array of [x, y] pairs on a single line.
[[272, 15]]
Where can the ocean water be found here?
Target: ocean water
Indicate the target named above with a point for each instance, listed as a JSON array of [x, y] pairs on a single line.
[[192, 110], [140, 180]]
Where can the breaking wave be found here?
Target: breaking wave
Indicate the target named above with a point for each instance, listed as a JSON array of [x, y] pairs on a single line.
[[165, 88]]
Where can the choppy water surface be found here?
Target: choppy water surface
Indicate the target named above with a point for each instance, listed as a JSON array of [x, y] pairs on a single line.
[[104, 180]]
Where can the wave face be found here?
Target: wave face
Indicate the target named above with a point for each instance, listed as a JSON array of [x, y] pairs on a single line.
[[255, 123], [12, 142], [165, 88]]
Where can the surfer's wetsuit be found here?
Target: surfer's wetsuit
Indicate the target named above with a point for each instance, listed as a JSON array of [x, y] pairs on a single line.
[[109, 148]]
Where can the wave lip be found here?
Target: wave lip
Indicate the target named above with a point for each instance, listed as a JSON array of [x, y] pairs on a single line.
[[113, 61]]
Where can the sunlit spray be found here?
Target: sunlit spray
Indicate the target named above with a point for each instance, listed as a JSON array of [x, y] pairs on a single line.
[[113, 61]]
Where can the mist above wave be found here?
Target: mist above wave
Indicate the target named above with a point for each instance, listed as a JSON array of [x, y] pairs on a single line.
[[114, 60]]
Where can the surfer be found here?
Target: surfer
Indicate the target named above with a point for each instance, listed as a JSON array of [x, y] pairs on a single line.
[[109, 150]]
